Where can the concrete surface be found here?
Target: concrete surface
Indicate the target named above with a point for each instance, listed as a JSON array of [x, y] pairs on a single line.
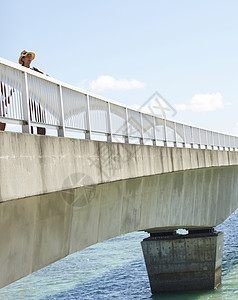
[[33, 165], [62, 195]]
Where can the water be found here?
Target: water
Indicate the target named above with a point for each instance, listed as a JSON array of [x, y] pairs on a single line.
[[115, 269]]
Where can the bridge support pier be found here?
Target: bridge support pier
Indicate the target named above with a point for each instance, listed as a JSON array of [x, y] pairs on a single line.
[[178, 262]]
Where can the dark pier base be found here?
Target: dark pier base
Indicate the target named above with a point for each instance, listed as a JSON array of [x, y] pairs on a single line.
[[183, 262]]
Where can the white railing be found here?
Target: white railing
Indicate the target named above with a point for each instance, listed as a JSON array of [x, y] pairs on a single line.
[[29, 98]]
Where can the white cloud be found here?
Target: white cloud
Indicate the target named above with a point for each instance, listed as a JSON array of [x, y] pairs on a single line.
[[106, 82], [204, 103]]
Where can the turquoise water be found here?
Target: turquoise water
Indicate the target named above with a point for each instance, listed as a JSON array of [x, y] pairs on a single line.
[[115, 269]]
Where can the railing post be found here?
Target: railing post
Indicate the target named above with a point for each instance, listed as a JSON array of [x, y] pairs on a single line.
[[233, 143], [127, 139], [165, 134], [192, 137], [206, 146], [142, 130], [26, 127], [61, 131], [88, 134], [224, 142], [175, 135], [199, 139], [154, 130], [109, 135], [184, 135], [213, 142], [229, 142]]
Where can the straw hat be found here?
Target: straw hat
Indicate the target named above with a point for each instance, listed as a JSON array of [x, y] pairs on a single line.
[[23, 54]]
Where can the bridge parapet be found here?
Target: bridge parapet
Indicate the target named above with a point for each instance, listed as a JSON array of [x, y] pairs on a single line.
[[34, 165]]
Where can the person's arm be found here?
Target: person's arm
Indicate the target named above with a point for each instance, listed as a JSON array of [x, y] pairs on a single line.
[[37, 70], [11, 92], [4, 93]]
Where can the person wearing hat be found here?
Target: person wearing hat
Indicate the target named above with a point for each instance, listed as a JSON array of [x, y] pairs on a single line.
[[25, 59]]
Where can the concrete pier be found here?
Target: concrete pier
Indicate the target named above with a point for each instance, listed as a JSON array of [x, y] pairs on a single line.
[[183, 262]]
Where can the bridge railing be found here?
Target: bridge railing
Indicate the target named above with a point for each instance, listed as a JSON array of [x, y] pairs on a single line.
[[29, 98]]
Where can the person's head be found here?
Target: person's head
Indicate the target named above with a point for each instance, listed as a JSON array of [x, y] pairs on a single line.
[[26, 58]]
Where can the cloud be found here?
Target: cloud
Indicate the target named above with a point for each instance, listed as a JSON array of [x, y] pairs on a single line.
[[204, 103], [106, 82]]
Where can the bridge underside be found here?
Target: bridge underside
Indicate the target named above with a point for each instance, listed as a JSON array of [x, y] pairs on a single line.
[[38, 230]]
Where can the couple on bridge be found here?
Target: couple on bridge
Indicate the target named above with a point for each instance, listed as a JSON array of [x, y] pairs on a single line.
[[35, 109]]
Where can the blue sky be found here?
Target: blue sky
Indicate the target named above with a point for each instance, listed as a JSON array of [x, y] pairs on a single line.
[[126, 50]]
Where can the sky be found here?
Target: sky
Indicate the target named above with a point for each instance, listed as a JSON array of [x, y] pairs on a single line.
[[127, 50]]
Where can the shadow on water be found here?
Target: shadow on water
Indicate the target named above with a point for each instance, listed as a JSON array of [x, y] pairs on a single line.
[[230, 248], [130, 282], [182, 296], [127, 282]]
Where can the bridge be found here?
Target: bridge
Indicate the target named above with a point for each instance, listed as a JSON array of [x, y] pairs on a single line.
[[126, 171]]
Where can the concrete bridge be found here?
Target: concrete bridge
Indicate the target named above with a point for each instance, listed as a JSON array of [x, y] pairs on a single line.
[[59, 195]]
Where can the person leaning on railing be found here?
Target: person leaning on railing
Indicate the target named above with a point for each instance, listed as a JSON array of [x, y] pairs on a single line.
[[5, 100], [25, 60]]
